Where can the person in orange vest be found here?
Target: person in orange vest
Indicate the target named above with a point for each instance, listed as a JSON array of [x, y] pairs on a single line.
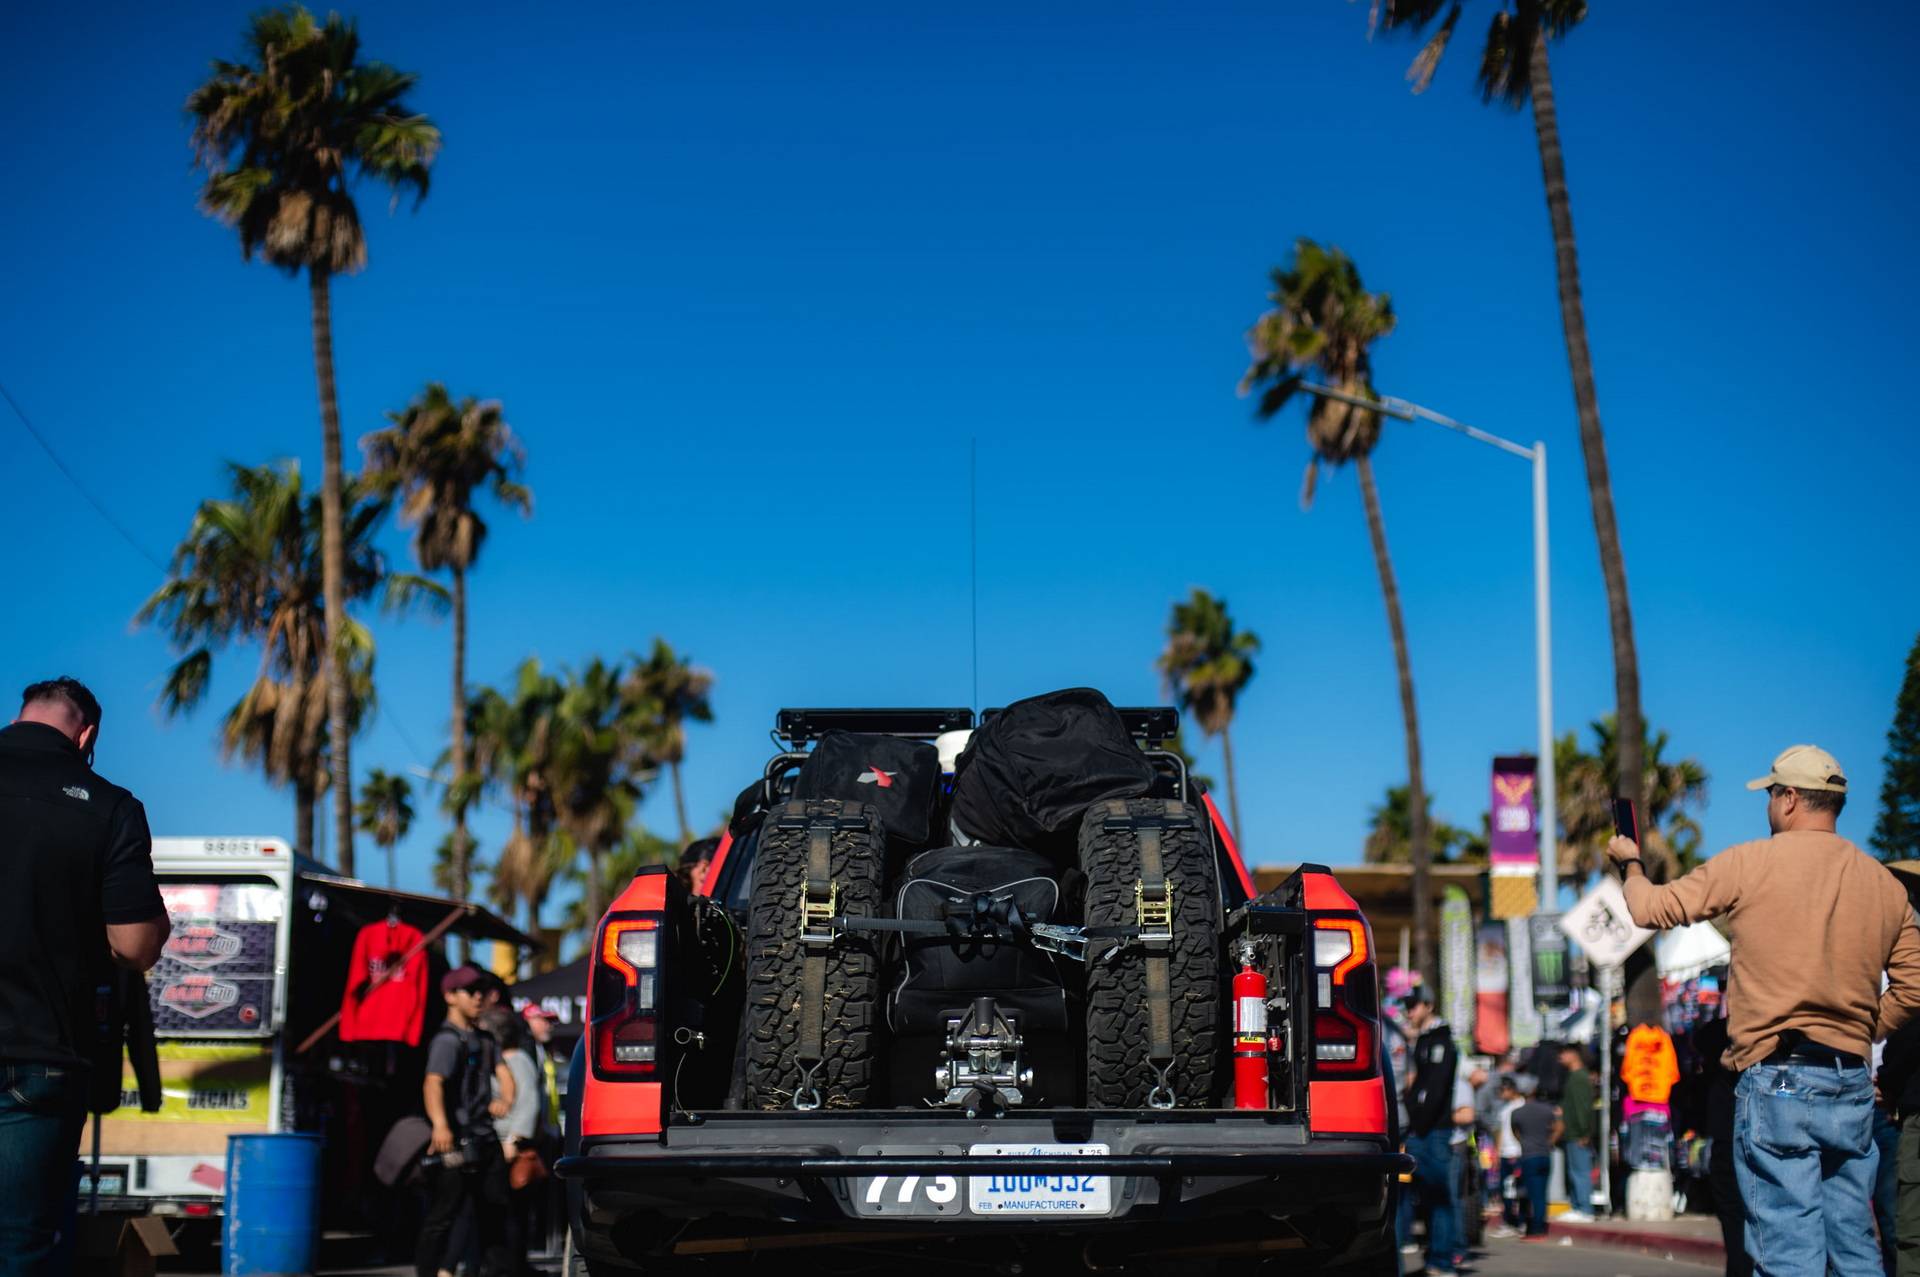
[[1813, 921], [1650, 1068]]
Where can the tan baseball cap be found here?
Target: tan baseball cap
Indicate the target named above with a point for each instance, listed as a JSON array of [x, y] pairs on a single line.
[[1804, 767]]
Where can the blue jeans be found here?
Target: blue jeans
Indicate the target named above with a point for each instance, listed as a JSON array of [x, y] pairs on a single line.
[[1579, 1176], [1534, 1173], [42, 1108], [1805, 1159], [1434, 1186]]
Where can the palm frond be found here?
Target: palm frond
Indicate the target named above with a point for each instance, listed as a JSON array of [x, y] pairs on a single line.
[[405, 592]]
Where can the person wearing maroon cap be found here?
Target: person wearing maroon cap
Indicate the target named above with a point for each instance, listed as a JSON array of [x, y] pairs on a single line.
[[465, 1167]]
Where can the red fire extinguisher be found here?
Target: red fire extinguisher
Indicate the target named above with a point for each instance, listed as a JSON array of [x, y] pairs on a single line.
[[1250, 1087]]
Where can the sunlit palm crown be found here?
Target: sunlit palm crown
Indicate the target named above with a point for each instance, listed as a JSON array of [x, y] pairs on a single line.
[[283, 136], [385, 809], [1323, 321], [435, 456], [249, 571], [667, 691], [1502, 75], [1206, 662], [572, 754]]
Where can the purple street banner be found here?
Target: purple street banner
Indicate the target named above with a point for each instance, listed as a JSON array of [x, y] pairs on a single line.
[[1512, 844]]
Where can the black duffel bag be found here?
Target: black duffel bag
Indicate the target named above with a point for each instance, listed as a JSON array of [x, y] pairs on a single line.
[[1033, 769], [898, 778], [967, 888]]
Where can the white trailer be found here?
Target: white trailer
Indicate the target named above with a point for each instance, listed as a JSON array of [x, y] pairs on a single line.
[[255, 968]]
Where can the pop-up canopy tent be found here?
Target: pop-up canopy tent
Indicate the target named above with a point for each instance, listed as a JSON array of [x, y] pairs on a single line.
[[1685, 952], [1908, 872]]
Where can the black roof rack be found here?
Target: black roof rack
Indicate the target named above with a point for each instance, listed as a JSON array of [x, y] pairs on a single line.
[[802, 725]]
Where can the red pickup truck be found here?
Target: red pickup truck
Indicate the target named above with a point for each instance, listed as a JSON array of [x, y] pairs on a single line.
[[1126, 1060]]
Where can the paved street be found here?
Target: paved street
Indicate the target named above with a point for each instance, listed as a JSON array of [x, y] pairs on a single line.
[[1500, 1259], [1525, 1259]]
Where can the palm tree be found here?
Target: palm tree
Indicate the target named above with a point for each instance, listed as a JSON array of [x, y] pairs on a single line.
[[1206, 664], [435, 456], [1323, 319], [1669, 836], [1514, 72], [668, 690], [598, 763], [512, 736], [283, 139], [636, 849], [249, 571], [1390, 832], [385, 812]]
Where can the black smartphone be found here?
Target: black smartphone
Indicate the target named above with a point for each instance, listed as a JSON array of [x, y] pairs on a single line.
[[1625, 823]]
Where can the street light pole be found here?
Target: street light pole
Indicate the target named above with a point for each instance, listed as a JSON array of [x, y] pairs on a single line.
[[1543, 690], [1389, 406]]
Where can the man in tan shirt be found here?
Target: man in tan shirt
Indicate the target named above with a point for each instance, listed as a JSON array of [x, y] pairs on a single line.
[[1813, 921]]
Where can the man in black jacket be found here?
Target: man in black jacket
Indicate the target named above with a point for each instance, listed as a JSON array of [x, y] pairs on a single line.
[[79, 895], [1899, 1087], [1432, 1062]]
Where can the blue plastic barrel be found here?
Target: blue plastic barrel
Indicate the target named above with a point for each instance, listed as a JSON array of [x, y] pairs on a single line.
[[273, 1205]]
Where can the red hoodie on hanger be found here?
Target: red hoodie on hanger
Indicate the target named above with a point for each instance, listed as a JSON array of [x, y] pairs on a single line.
[[392, 1009]]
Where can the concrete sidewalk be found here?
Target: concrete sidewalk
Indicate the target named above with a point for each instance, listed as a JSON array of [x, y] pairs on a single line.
[[1694, 1237]]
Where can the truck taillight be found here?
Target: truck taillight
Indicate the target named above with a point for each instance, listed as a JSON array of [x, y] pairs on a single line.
[[623, 1015], [1345, 1001]]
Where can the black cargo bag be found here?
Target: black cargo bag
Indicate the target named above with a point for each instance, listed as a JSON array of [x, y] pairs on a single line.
[[898, 778], [942, 974], [1033, 769]]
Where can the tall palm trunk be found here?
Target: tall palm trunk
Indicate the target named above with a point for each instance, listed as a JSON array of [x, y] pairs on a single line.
[[1643, 988], [303, 816], [1613, 567], [1233, 788], [333, 572], [1421, 855], [596, 895], [459, 731], [680, 803]]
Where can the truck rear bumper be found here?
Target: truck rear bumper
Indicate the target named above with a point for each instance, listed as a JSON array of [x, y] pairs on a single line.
[[755, 1181]]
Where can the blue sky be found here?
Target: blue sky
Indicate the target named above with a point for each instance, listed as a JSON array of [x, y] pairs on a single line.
[[748, 277]]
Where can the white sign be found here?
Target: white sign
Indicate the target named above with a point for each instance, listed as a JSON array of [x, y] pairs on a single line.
[[1601, 925]]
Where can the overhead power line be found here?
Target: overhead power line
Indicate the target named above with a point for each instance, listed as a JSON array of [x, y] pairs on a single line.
[[99, 506]]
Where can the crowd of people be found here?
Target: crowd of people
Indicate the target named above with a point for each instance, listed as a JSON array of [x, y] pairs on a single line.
[[1804, 1098], [1476, 1127], [491, 1131]]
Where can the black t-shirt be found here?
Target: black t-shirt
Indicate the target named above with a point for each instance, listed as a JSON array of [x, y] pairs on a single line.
[[465, 1059], [1533, 1128], [75, 855]]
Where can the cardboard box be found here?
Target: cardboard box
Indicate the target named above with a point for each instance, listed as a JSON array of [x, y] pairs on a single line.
[[120, 1245]]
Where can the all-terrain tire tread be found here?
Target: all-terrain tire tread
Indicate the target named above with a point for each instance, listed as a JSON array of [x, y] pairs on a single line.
[[1118, 1072], [775, 960]]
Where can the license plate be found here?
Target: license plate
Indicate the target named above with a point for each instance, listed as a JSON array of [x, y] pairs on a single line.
[[891, 1196], [877, 1196], [112, 1183], [1022, 1193]]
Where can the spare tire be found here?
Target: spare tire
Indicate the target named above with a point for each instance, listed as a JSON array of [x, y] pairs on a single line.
[[1119, 1073], [776, 958]]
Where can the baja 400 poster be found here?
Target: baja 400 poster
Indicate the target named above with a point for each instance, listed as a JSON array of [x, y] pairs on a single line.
[[215, 975]]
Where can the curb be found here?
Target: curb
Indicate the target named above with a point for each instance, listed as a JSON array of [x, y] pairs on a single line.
[[1625, 1237]]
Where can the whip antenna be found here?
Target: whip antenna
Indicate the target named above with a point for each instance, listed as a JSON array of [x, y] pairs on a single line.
[[973, 555]]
